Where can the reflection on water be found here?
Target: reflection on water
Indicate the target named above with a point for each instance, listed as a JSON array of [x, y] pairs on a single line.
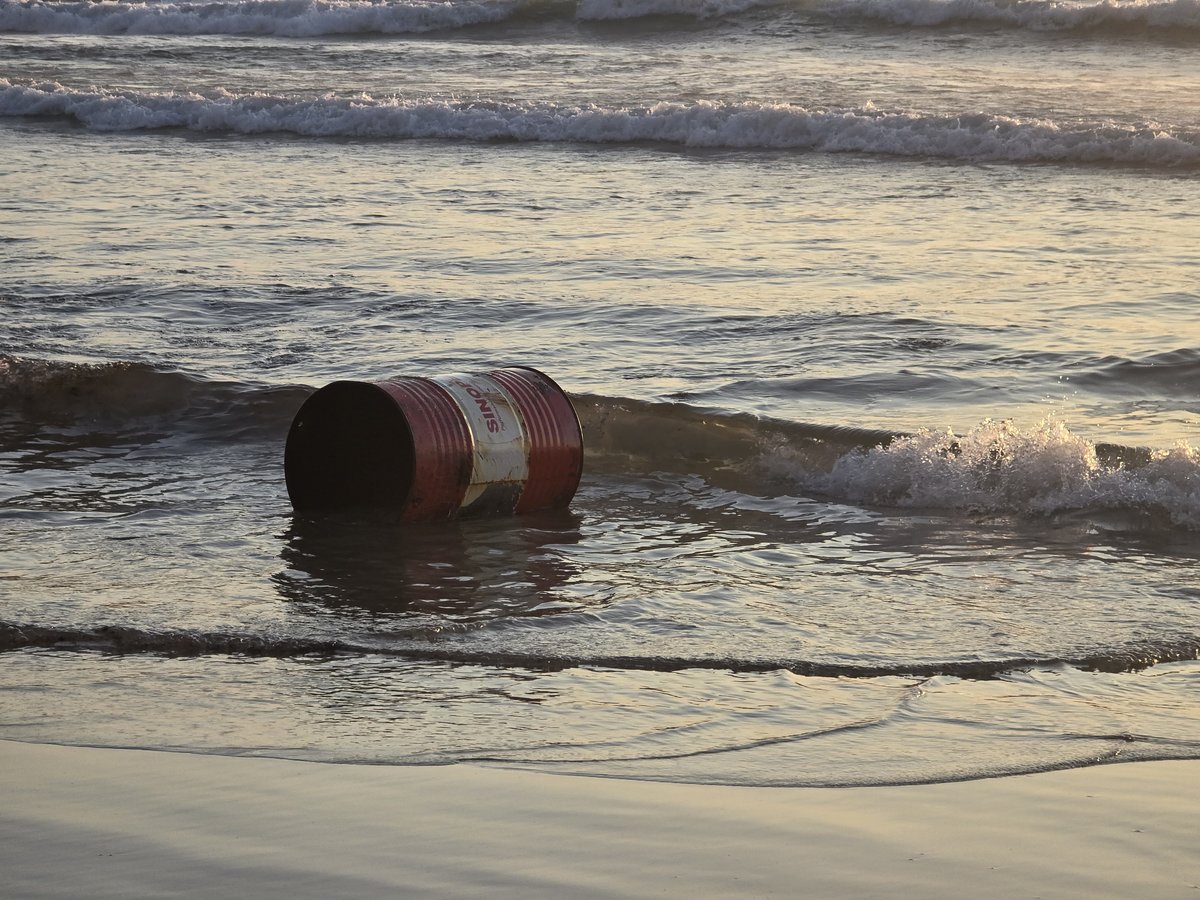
[[666, 574], [463, 571], [671, 626]]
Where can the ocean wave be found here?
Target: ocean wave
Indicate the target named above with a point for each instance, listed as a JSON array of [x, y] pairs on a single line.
[[1123, 16], [1175, 373], [313, 18], [699, 124], [283, 18], [998, 467], [432, 647], [118, 394], [611, 10]]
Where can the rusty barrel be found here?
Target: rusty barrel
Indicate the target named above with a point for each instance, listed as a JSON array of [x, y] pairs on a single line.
[[486, 443]]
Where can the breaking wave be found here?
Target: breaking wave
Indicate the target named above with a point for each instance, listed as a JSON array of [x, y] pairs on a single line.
[[699, 124], [997, 467]]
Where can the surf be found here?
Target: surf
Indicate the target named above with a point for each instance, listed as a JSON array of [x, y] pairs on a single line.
[[700, 124], [997, 467]]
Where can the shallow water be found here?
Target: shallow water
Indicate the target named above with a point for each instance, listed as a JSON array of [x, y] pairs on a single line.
[[879, 319]]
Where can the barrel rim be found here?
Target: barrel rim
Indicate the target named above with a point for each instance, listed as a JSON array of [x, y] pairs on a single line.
[[558, 387], [341, 384], [574, 416]]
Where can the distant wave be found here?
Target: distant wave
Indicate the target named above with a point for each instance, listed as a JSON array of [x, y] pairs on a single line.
[[310, 18], [1036, 15], [602, 10], [130, 639], [699, 124], [284, 18]]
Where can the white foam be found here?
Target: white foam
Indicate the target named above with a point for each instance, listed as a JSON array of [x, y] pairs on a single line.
[[697, 124], [1031, 14], [307, 18], [999, 467], [286, 18]]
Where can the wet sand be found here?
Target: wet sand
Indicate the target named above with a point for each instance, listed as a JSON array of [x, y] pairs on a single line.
[[79, 822]]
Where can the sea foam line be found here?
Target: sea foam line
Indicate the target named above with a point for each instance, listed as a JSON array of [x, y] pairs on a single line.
[[1000, 467], [699, 124]]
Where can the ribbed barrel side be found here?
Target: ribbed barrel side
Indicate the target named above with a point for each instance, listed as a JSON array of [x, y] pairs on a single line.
[[555, 439], [442, 448]]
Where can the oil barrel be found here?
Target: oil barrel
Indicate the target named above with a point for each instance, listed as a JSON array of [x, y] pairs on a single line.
[[436, 448]]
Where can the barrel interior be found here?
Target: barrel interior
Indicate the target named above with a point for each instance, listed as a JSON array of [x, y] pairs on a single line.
[[350, 446]]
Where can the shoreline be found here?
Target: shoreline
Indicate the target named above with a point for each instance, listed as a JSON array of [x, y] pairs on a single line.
[[118, 823]]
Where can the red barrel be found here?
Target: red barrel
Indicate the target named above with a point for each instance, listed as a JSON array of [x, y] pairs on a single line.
[[488, 443]]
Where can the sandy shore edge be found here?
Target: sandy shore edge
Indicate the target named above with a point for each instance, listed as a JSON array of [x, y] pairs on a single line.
[[129, 823]]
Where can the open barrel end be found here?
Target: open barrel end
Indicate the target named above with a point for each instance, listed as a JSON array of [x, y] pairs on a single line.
[[349, 446]]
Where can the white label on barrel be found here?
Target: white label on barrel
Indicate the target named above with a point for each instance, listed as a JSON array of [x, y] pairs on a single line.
[[496, 428]]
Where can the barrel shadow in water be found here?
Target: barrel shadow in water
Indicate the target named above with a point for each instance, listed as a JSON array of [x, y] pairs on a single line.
[[467, 572]]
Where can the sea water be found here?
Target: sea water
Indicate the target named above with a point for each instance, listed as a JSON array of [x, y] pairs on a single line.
[[879, 316]]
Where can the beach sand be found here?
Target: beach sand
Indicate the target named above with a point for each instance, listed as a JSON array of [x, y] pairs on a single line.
[[83, 822]]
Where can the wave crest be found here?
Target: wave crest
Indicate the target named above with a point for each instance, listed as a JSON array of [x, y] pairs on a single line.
[[313, 18], [699, 124], [118, 394], [998, 467]]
